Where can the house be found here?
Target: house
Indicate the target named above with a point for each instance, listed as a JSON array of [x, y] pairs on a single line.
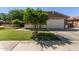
[[1, 22], [73, 22], [55, 20]]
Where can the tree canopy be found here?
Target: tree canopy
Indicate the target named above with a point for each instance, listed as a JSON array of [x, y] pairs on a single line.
[[2, 16], [17, 14], [33, 16]]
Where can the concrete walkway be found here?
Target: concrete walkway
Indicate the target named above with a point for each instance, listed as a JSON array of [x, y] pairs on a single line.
[[33, 46], [8, 45]]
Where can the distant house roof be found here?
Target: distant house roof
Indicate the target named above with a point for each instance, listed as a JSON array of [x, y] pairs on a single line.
[[73, 18], [55, 14], [1, 20]]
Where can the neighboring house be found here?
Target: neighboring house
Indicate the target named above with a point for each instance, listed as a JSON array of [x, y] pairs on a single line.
[[1, 22], [73, 22]]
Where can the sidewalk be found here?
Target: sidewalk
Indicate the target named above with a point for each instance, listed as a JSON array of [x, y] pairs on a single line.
[[33, 46], [8, 45]]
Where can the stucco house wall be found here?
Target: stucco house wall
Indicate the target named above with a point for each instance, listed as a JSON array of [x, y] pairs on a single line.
[[77, 24]]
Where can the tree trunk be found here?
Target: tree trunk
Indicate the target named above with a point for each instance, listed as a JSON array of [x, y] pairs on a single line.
[[35, 33], [40, 26]]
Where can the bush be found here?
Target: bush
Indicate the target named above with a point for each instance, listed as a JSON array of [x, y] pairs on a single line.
[[16, 22], [47, 36]]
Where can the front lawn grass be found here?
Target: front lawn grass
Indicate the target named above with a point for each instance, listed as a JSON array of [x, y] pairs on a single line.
[[13, 34]]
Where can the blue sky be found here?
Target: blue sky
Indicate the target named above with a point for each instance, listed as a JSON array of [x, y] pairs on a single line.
[[70, 11]]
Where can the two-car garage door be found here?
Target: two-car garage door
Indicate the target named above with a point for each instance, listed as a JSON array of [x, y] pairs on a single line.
[[55, 23]]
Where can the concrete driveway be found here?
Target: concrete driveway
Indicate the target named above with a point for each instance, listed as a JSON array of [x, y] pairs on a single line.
[[70, 36], [69, 42]]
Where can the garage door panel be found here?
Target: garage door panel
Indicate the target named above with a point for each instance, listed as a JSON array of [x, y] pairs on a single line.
[[57, 23]]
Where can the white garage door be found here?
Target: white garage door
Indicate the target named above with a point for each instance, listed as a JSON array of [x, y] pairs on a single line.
[[55, 23]]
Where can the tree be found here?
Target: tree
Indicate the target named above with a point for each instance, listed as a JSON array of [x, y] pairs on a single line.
[[42, 17], [2, 16], [16, 22], [36, 18], [8, 18], [17, 14], [30, 16]]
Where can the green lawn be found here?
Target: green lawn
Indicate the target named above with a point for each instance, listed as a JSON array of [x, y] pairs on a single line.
[[13, 34]]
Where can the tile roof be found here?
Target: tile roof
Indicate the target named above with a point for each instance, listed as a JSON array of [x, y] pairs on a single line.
[[56, 14]]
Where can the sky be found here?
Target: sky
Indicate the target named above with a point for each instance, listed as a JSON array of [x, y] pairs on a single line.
[[70, 11]]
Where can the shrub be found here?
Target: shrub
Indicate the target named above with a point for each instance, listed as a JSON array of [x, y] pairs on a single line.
[[16, 22], [47, 36]]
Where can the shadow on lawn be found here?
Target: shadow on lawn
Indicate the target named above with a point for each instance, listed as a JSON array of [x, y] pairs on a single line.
[[46, 40]]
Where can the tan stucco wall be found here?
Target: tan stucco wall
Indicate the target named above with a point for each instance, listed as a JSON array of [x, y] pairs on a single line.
[[55, 23], [76, 24]]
